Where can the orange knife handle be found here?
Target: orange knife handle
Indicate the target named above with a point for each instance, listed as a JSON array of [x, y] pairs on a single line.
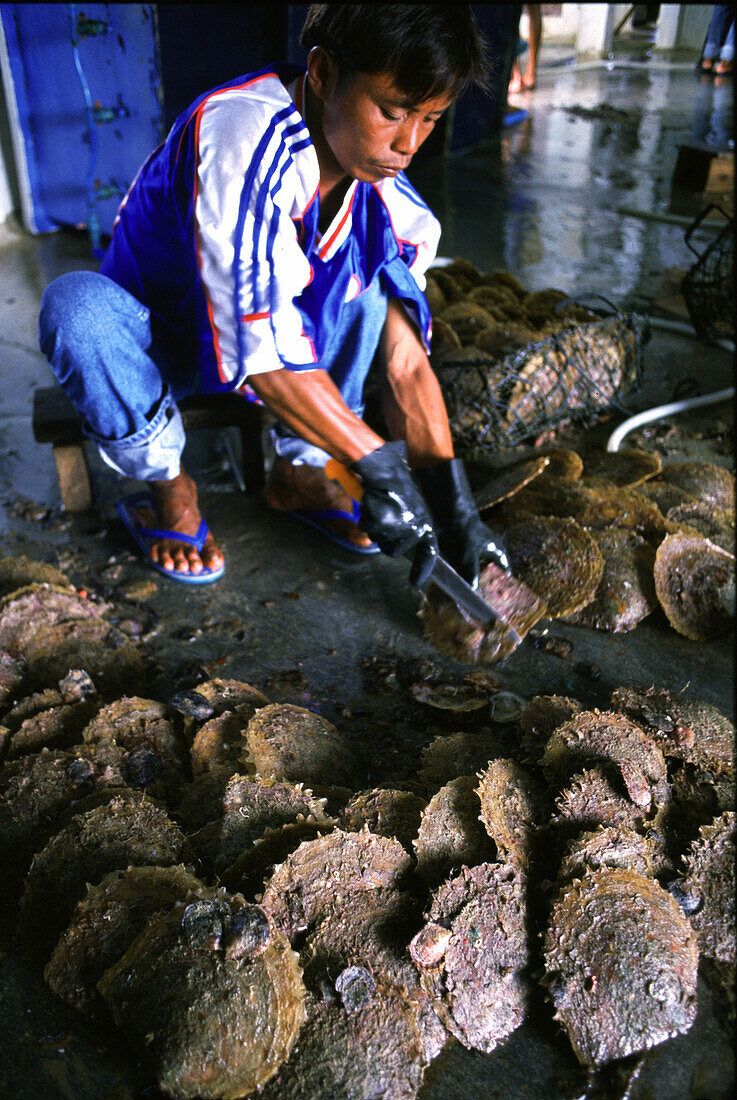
[[336, 471]]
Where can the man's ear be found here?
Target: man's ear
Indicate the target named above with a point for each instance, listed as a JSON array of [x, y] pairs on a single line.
[[322, 71]]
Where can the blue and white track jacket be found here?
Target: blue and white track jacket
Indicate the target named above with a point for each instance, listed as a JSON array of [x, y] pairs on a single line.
[[218, 235]]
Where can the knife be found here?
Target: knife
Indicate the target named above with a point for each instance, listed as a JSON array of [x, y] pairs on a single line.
[[445, 577], [442, 574]]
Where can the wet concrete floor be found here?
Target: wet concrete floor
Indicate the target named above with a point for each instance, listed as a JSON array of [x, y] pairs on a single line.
[[300, 618]]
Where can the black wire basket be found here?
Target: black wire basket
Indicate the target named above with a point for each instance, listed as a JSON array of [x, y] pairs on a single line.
[[576, 374], [709, 287]]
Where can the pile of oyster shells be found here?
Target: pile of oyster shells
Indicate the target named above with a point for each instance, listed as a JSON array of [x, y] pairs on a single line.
[[601, 542], [212, 875]]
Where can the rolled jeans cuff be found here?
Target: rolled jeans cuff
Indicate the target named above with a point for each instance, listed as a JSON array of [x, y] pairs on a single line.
[[152, 454]]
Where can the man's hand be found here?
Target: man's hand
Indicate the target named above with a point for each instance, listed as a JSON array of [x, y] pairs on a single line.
[[393, 512], [464, 540]]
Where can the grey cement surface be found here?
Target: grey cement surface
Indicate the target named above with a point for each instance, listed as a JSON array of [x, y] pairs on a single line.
[[300, 618]]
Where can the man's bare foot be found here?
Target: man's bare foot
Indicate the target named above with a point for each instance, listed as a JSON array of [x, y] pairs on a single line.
[[176, 509], [307, 489]]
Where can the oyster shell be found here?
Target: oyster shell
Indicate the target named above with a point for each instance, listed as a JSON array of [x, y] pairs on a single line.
[[508, 481], [621, 961], [625, 594], [222, 695], [707, 482], [219, 743], [606, 737], [593, 507], [360, 1042], [710, 874], [607, 846], [450, 832], [451, 755], [686, 729], [694, 582], [479, 987], [18, 572], [467, 318], [33, 608], [541, 715], [715, 524], [384, 812], [207, 1024], [255, 866], [457, 635], [12, 671], [105, 923], [292, 744], [249, 808], [54, 726], [114, 663], [512, 804], [630, 466], [137, 723], [557, 559], [592, 798], [339, 864], [129, 830], [665, 495]]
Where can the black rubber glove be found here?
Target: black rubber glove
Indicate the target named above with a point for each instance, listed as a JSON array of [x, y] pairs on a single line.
[[465, 542], [393, 512]]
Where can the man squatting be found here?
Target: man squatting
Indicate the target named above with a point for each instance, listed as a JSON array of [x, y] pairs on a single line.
[[273, 245]]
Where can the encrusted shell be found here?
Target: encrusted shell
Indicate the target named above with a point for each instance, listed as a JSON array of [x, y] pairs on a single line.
[[686, 729], [18, 572], [292, 744], [385, 812], [250, 807], [625, 594], [358, 1043], [595, 736], [129, 829], [458, 635], [630, 466], [37, 606], [710, 874], [450, 832], [512, 804], [451, 755], [335, 865], [541, 715], [607, 846], [557, 559], [695, 584], [105, 923], [704, 480], [508, 481], [621, 961], [206, 1023], [479, 987]]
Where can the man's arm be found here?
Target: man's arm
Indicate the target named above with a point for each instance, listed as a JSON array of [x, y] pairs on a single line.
[[412, 400], [310, 404]]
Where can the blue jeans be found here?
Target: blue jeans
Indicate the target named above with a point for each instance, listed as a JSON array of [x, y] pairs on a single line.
[[720, 35], [124, 376]]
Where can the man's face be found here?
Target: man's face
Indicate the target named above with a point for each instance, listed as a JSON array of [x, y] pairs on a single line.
[[371, 130]]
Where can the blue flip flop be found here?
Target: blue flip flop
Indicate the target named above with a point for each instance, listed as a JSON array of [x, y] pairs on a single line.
[[144, 536], [317, 519]]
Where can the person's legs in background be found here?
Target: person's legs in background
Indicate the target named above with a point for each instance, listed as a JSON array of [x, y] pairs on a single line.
[[724, 65], [721, 18]]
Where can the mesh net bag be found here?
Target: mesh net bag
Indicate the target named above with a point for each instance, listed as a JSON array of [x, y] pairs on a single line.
[[577, 373], [709, 287]]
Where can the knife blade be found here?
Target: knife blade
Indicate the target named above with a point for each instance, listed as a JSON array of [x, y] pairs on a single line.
[[467, 598], [442, 574]]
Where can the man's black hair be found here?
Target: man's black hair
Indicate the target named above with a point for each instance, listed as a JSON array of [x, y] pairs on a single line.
[[429, 49]]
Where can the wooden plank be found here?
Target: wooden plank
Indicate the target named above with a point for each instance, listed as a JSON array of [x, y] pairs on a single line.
[[74, 476]]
